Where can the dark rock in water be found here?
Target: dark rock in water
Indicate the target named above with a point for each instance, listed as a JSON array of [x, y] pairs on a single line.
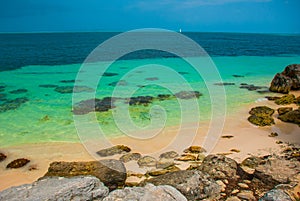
[[238, 75], [252, 162], [288, 80], [2, 157], [261, 116], [19, 91], [67, 81], [111, 172], [140, 100], [183, 73], [162, 97], [169, 155], [18, 163], [94, 105], [251, 87], [2, 88], [118, 83], [193, 184], [152, 78], [48, 85], [130, 157], [147, 161], [56, 188], [272, 98], [291, 117], [3, 97], [283, 110], [106, 74], [118, 149], [275, 195], [188, 94], [194, 150], [220, 167], [285, 100], [263, 91], [149, 192], [71, 89], [224, 84], [12, 104]]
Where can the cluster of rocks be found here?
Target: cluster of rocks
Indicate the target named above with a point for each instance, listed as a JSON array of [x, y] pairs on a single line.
[[212, 177], [17, 163], [107, 103], [12, 104]]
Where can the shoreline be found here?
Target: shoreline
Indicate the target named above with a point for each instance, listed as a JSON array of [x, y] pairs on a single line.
[[247, 140]]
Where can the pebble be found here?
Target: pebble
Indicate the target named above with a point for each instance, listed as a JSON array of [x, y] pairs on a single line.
[[243, 185], [233, 198], [223, 186], [235, 191], [247, 181], [225, 181], [247, 195]]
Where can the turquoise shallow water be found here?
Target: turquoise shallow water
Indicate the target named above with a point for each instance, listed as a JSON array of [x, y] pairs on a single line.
[[47, 115]]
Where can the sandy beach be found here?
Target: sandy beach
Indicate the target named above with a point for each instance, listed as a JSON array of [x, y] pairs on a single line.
[[247, 139]]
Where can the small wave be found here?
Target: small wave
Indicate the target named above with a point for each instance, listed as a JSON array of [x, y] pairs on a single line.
[[259, 100]]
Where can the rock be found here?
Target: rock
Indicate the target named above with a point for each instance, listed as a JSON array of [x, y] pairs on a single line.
[[252, 162], [224, 83], [273, 134], [272, 98], [243, 185], [162, 97], [291, 117], [13, 104], [186, 157], [194, 150], [118, 83], [19, 91], [67, 81], [3, 97], [107, 74], [111, 172], [275, 195], [238, 75], [92, 105], [147, 161], [2, 157], [141, 100], [156, 172], [201, 157], [235, 150], [164, 163], [288, 80], [71, 89], [286, 99], [251, 87], [118, 149], [20, 162], [220, 167], [147, 193], [169, 155], [130, 157], [188, 94], [283, 110], [152, 78], [48, 85], [56, 188], [233, 198], [183, 73], [261, 116], [227, 136], [246, 195], [276, 170], [193, 184]]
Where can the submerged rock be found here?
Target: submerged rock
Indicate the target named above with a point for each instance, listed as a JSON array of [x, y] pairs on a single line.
[[71, 89], [3, 97], [275, 195], [251, 87], [19, 91], [118, 149], [111, 172], [147, 193], [20, 162], [107, 74], [288, 80], [261, 116], [67, 81], [225, 84], [140, 100], [2, 157], [291, 117], [152, 78], [48, 85], [285, 100], [188, 94], [238, 75], [193, 184], [13, 104], [94, 105], [118, 83], [57, 188]]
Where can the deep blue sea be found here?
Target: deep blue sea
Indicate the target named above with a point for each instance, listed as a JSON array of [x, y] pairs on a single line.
[[38, 70]]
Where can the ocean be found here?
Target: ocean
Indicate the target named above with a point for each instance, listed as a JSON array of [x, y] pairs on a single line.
[[38, 70]]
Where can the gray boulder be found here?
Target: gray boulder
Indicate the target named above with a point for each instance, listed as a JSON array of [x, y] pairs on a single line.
[[147, 193], [193, 184], [58, 188], [275, 195]]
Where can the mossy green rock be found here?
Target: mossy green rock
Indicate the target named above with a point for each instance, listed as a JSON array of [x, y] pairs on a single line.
[[283, 110], [20, 162], [291, 117], [261, 116], [285, 100]]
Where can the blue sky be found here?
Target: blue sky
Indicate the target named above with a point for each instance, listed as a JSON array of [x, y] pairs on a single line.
[[263, 16]]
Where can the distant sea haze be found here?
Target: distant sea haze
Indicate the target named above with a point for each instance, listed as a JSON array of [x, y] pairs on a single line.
[[18, 50]]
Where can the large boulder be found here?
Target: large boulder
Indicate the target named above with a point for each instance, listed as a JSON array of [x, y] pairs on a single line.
[[118, 149], [261, 116], [147, 193], [193, 184], [291, 117], [58, 188], [111, 172], [288, 80], [275, 195]]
